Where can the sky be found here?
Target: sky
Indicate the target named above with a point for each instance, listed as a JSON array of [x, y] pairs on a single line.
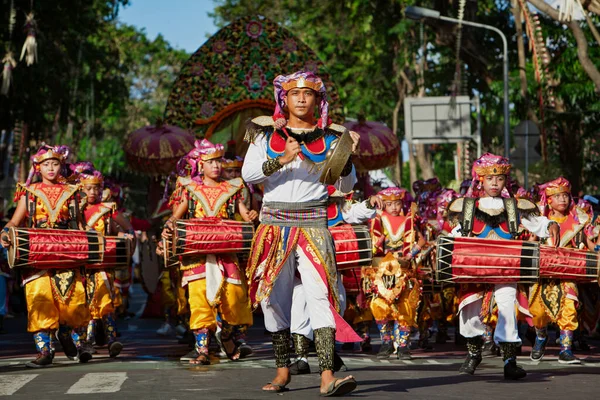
[[185, 24]]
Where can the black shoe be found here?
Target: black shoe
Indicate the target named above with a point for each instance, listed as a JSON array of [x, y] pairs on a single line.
[[470, 364], [40, 362], [539, 349], [425, 345], [299, 367], [85, 353], [192, 355], [348, 346], [114, 349], [68, 346], [403, 353], [245, 349], [365, 345], [489, 349], [567, 357], [386, 350], [513, 372], [338, 363]]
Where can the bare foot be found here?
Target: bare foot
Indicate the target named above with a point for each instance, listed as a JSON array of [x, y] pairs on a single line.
[[202, 359], [233, 353]]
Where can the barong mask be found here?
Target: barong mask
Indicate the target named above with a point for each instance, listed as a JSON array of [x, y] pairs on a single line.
[[300, 79], [488, 164], [46, 152]]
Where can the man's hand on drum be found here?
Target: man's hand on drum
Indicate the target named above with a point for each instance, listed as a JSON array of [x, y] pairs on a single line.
[[292, 149], [5, 240], [167, 232], [355, 140], [159, 249], [554, 232]]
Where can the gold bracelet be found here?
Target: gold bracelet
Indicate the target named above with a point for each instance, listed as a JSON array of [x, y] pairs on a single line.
[[271, 166]]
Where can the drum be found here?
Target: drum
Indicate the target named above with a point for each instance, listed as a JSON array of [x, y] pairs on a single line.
[[352, 280], [117, 254], [353, 246], [53, 248], [569, 264], [169, 260], [211, 236], [473, 260]]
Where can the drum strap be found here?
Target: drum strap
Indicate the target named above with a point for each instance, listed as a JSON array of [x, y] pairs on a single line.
[[468, 216], [191, 207], [74, 212], [510, 205], [31, 209]]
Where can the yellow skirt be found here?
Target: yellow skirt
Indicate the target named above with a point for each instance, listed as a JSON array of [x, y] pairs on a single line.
[[102, 302]]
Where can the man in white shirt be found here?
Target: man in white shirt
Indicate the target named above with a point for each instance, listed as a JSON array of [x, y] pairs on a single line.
[[286, 155]]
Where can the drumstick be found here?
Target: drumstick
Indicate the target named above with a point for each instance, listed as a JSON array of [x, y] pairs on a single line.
[[300, 155]]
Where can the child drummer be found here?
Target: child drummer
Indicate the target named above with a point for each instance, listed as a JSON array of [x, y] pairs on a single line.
[[215, 282], [55, 296], [487, 211], [556, 301], [100, 216], [394, 234]]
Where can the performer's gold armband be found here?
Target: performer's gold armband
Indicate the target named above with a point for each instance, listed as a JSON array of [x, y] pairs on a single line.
[[271, 166]]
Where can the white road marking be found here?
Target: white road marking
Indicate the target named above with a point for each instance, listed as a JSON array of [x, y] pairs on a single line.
[[408, 362], [99, 382], [9, 384]]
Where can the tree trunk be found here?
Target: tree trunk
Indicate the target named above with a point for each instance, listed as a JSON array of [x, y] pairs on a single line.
[[424, 159]]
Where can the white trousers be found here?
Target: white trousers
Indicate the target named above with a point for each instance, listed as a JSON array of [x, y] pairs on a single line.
[[300, 318], [505, 296], [312, 300]]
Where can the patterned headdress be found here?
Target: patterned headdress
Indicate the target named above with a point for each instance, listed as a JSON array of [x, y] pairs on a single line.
[[488, 164], [444, 198], [300, 79], [237, 162], [46, 152], [392, 193], [548, 189], [203, 150], [91, 178]]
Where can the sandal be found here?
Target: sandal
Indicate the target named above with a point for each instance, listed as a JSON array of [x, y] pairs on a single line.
[[345, 387], [233, 355], [202, 359], [278, 388]]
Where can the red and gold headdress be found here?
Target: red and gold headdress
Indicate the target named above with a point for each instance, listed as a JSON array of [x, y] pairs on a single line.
[[203, 150], [549, 189], [93, 178], [299, 79], [392, 194], [46, 152], [488, 164]]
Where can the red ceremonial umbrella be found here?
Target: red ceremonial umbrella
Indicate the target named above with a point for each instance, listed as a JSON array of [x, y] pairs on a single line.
[[378, 147], [155, 150]]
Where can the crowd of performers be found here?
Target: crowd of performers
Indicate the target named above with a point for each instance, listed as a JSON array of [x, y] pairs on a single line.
[[296, 273]]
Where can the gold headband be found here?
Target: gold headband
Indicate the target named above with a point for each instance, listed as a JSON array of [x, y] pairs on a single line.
[[392, 197], [213, 155], [496, 169], [551, 191], [302, 83], [92, 180], [233, 164], [48, 155]]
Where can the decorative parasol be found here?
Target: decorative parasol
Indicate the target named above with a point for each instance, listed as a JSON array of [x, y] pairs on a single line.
[[155, 150], [378, 146]]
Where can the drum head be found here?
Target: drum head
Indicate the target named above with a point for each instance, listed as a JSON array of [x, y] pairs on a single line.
[[337, 157], [150, 266], [12, 250]]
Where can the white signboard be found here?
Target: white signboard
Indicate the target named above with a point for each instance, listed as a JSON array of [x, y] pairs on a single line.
[[437, 119]]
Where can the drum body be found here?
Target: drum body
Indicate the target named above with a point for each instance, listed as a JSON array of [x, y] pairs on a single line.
[[211, 236], [117, 254], [54, 248], [352, 280], [568, 264], [353, 246], [472, 260]]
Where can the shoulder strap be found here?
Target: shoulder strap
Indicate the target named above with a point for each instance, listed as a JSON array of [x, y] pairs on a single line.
[[468, 213], [510, 205], [30, 203], [74, 213], [191, 205]]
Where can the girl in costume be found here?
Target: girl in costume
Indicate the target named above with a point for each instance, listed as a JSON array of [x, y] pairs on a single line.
[[215, 282], [55, 296]]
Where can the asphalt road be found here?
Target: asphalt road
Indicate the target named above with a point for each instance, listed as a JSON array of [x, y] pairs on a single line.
[[148, 368]]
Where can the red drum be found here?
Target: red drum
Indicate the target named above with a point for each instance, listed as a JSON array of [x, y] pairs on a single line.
[[117, 254], [211, 236], [472, 260], [569, 264], [53, 248], [352, 280], [353, 246]]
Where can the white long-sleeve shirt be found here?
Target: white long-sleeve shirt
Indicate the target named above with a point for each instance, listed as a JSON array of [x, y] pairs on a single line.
[[296, 182], [358, 213], [538, 225]]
